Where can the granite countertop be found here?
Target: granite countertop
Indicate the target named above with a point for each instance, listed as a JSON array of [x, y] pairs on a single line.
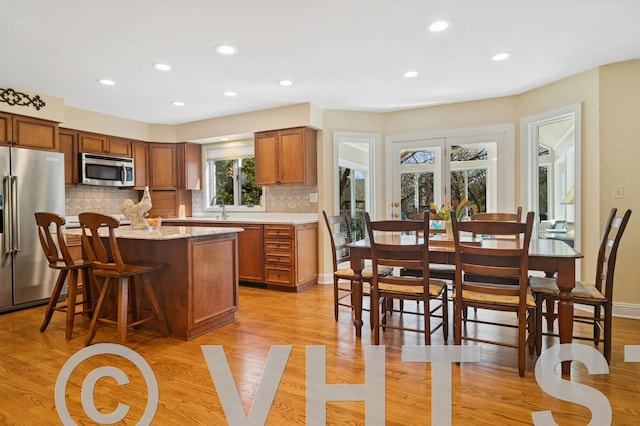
[[258, 218], [162, 233]]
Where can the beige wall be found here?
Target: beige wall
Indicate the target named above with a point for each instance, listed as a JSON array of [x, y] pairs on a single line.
[[619, 143], [583, 89]]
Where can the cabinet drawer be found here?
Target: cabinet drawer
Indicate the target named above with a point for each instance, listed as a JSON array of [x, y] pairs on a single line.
[[282, 258], [278, 231], [279, 275], [279, 246]]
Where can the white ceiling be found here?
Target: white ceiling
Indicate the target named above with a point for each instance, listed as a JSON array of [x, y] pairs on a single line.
[[341, 54]]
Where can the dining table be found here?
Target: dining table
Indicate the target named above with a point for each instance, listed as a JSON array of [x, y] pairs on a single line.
[[553, 257]]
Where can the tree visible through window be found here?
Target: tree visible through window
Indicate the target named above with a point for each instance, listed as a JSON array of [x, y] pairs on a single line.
[[232, 182]]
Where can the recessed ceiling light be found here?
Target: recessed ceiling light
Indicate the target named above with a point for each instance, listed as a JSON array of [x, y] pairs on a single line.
[[162, 67], [410, 74], [177, 103], [437, 26], [285, 82], [500, 56], [106, 82], [225, 49], [229, 93]]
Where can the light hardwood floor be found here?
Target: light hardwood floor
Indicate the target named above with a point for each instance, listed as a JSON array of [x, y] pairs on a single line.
[[485, 393]]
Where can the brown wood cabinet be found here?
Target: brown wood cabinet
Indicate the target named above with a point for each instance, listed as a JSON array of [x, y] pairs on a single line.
[[141, 164], [175, 166], [189, 165], [6, 127], [291, 256], [250, 248], [170, 203], [174, 170], [27, 132], [162, 162], [198, 287], [68, 140], [286, 157], [103, 144]]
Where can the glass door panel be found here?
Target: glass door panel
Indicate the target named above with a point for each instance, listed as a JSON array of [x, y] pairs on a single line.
[[423, 174]]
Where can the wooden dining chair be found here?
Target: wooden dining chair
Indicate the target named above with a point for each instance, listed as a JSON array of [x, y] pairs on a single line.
[[436, 270], [59, 258], [404, 244], [499, 216], [501, 258], [596, 295], [118, 276], [340, 234]]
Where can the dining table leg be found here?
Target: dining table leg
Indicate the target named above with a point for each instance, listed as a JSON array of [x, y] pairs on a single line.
[[566, 280]]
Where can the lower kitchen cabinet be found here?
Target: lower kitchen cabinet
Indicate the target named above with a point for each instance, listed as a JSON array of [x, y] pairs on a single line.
[[250, 248], [291, 256], [284, 257]]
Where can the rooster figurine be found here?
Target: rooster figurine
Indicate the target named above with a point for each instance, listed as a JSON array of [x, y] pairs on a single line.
[[136, 212]]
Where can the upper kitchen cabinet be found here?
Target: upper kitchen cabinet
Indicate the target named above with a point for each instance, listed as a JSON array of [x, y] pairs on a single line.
[[175, 166], [286, 157], [103, 144], [189, 165], [5, 128], [141, 164], [27, 132], [68, 140], [162, 161]]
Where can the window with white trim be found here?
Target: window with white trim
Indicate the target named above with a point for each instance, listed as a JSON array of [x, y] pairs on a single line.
[[230, 177]]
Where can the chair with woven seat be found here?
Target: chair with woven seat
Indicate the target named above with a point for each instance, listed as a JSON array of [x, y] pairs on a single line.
[[597, 295], [117, 275], [340, 233], [58, 256], [504, 258], [404, 244]]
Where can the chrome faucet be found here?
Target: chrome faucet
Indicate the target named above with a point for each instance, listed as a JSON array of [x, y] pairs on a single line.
[[224, 210]]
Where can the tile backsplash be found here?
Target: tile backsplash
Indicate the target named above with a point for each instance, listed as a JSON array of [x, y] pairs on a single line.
[[279, 199], [100, 199], [107, 200]]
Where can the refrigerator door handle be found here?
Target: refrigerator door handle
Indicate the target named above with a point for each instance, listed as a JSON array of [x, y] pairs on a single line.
[[15, 246], [7, 221]]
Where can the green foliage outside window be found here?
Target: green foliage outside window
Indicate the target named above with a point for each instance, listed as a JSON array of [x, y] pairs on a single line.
[[227, 186]]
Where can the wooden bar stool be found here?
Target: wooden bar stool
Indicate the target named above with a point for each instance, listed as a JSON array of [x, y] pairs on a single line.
[[117, 275], [57, 253]]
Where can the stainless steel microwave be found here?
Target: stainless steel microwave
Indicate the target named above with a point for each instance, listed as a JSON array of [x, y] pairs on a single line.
[[105, 170]]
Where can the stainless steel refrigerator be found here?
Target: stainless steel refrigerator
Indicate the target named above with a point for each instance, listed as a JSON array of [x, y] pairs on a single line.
[[31, 181]]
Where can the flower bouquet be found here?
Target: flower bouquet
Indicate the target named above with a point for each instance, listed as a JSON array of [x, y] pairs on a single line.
[[458, 208]]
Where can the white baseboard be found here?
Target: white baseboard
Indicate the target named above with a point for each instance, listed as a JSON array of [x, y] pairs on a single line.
[[626, 310], [623, 310], [325, 278]]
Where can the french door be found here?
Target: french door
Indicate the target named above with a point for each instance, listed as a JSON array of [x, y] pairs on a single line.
[[464, 165]]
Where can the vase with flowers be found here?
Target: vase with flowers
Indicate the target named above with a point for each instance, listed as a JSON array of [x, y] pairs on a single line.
[[459, 208]]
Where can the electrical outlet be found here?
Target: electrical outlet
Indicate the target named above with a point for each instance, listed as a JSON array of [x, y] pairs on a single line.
[[618, 191], [313, 197]]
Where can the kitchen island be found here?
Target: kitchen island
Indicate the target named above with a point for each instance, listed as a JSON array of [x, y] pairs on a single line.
[[277, 250], [198, 286]]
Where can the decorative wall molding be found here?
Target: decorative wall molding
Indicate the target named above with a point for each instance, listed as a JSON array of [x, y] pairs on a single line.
[[13, 98]]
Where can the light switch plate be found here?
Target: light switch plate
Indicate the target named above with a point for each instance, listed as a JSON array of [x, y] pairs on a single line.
[[618, 191]]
